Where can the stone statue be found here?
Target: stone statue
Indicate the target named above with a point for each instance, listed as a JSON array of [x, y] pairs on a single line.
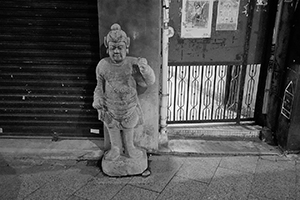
[[117, 102]]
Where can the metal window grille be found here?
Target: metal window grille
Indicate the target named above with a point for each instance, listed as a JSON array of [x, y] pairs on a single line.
[[210, 93]]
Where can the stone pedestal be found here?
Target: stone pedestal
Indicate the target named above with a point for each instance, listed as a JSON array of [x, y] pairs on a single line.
[[125, 166]]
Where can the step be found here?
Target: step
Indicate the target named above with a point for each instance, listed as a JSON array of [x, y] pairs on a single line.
[[215, 131], [196, 147]]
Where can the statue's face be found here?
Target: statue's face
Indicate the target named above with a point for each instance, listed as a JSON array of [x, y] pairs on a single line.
[[117, 51]]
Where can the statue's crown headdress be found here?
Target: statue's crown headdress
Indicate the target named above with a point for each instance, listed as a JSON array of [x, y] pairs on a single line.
[[116, 35]]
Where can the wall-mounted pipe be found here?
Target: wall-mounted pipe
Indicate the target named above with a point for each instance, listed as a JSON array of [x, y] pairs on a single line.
[[163, 137]]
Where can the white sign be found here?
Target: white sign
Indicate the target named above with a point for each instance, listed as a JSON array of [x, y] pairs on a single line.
[[287, 103], [196, 18], [227, 16]]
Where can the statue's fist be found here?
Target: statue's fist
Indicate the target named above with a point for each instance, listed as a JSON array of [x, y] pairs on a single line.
[[97, 105], [142, 63]]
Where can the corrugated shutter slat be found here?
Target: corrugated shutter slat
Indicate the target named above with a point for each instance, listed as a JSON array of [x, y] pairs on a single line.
[[49, 51]]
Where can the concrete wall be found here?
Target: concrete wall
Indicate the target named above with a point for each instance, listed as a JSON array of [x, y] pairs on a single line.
[[223, 46], [279, 67], [287, 133], [288, 128], [141, 20]]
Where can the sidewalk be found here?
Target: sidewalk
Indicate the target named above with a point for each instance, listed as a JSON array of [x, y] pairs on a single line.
[[56, 170], [90, 149]]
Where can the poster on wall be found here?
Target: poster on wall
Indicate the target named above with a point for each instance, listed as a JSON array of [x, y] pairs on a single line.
[[227, 15], [196, 18]]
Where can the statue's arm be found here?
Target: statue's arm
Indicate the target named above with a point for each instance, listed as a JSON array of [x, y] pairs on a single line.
[[144, 74], [148, 75], [99, 90]]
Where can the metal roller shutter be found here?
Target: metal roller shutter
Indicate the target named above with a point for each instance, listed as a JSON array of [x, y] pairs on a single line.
[[48, 53]]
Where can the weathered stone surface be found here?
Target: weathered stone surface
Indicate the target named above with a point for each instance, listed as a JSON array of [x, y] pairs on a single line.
[[117, 102], [125, 166]]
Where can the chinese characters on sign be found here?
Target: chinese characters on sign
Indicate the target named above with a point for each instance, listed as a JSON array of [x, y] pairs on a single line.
[[227, 16], [196, 18]]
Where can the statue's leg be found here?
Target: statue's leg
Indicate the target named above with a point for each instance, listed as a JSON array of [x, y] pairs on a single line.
[[106, 138], [116, 144], [129, 144]]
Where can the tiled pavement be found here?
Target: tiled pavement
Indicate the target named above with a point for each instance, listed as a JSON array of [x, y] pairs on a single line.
[[172, 177]]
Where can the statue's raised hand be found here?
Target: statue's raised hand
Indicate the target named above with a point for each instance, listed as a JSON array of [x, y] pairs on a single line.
[[142, 64], [98, 104]]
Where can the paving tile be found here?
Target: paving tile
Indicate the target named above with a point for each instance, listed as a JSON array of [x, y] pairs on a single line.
[[35, 177], [42, 174], [183, 188], [298, 168], [10, 182], [254, 197], [62, 186], [63, 163], [275, 179], [229, 184], [74, 197], [162, 170], [51, 192], [7, 173], [3, 162], [17, 161], [87, 170], [46, 171], [244, 163], [74, 178], [12, 170], [201, 169], [298, 179], [274, 190], [130, 192], [275, 165], [22, 186], [102, 187], [11, 189]]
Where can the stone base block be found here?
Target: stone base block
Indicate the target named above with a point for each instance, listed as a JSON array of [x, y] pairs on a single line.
[[125, 166]]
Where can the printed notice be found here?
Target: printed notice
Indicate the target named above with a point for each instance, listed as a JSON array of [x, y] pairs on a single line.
[[196, 18], [227, 16]]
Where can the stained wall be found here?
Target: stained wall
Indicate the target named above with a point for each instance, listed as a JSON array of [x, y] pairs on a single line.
[[141, 21]]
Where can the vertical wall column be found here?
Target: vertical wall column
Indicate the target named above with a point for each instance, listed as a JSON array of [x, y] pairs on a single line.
[[279, 67], [288, 125]]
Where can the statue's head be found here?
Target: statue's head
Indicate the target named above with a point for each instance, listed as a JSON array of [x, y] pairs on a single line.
[[117, 43]]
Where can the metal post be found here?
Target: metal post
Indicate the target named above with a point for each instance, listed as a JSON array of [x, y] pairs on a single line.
[[163, 138]]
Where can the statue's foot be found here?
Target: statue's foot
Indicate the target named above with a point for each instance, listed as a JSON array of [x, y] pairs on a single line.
[[113, 154], [134, 152]]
